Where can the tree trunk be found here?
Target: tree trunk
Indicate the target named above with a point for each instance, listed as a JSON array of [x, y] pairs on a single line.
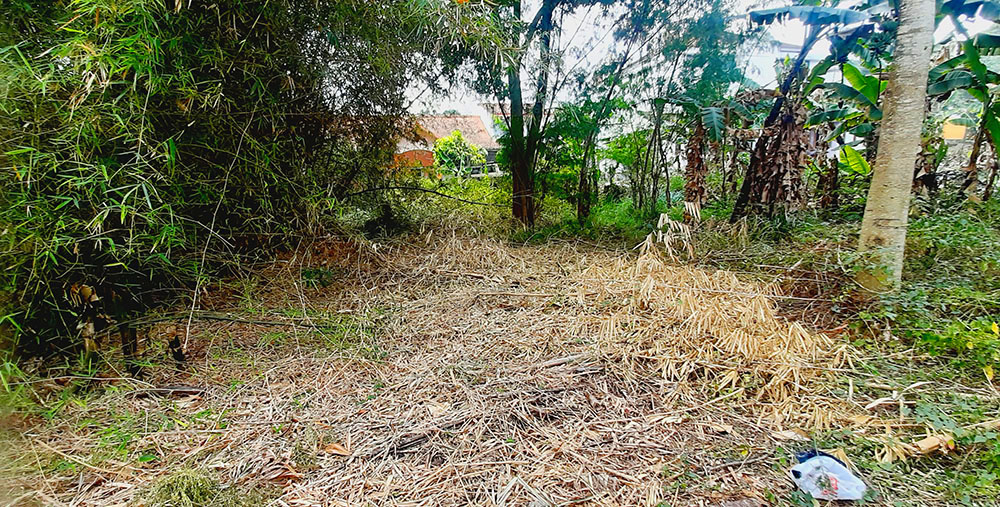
[[925, 169], [653, 164], [522, 202], [587, 182], [990, 182], [759, 156], [694, 187], [883, 229], [971, 180], [524, 146], [583, 190], [829, 184], [992, 178], [663, 156]]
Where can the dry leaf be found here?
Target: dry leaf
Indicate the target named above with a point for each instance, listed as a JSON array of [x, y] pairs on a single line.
[[666, 419], [841, 455], [721, 428], [436, 409], [792, 434], [860, 420], [337, 449], [933, 443]]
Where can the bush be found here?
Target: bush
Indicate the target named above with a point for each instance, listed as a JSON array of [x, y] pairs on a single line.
[[197, 488], [145, 147], [459, 158]]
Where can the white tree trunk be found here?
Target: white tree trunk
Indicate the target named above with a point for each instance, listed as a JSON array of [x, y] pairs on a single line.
[[883, 229]]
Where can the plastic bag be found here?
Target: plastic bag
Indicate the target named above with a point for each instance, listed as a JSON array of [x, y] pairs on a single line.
[[826, 478]]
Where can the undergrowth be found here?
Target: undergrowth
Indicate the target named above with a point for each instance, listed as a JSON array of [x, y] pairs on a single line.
[[197, 488], [148, 146]]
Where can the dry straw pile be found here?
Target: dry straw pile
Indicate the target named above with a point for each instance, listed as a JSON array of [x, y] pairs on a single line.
[[713, 333]]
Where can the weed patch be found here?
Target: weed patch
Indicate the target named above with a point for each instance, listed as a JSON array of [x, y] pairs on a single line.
[[197, 488]]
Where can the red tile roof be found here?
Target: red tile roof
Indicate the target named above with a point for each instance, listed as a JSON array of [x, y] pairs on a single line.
[[433, 127]]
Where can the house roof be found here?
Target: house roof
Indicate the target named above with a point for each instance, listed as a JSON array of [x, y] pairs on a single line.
[[430, 128]]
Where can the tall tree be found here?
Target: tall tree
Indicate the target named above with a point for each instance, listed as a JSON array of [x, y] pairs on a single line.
[[526, 120], [524, 144], [883, 229]]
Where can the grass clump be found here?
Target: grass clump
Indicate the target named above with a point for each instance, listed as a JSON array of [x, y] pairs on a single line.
[[196, 488]]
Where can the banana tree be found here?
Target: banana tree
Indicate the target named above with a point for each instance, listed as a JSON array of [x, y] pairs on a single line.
[[856, 111], [707, 123], [858, 99], [967, 72], [852, 105], [955, 10], [764, 180]]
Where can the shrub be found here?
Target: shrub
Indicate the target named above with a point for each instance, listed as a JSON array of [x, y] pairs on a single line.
[[457, 156], [142, 147]]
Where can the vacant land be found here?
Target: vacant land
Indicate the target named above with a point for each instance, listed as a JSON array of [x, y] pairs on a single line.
[[462, 370]]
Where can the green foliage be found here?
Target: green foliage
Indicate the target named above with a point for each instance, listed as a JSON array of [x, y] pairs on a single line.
[[714, 121], [142, 145], [951, 295], [974, 343], [854, 161], [860, 97], [14, 394], [611, 221], [196, 488], [968, 72], [626, 148], [809, 14], [986, 9], [830, 115], [457, 156], [709, 65]]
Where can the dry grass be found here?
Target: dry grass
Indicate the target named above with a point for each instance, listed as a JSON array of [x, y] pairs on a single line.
[[473, 373]]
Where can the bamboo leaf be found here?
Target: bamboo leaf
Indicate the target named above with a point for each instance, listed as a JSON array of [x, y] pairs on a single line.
[[19, 151]]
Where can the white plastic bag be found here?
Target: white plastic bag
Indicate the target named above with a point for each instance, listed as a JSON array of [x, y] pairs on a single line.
[[827, 479]]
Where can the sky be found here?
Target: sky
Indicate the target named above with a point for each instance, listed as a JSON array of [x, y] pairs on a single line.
[[588, 31]]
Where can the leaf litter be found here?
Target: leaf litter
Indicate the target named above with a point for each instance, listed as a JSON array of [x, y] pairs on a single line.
[[544, 375]]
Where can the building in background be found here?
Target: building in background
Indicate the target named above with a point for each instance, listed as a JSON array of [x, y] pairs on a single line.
[[418, 150]]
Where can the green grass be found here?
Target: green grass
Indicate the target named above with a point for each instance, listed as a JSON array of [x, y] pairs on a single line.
[[944, 404], [610, 221], [199, 488]]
